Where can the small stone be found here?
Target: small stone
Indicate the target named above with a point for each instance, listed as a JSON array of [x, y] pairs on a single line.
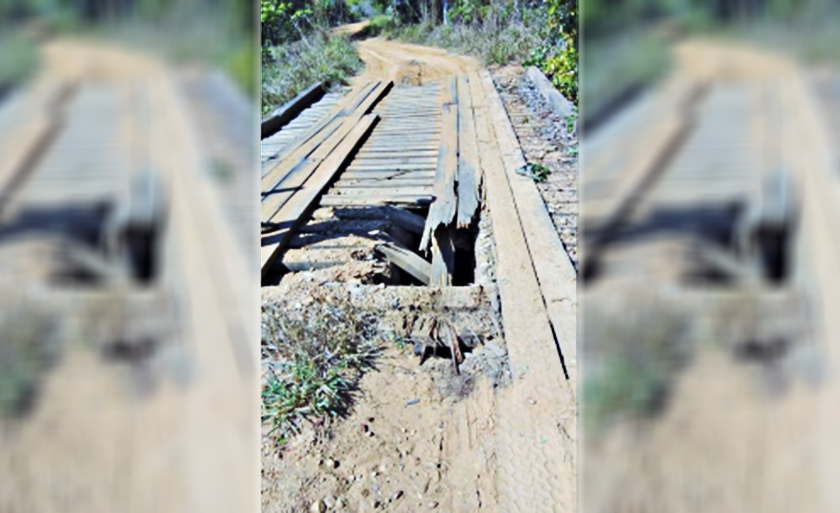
[[329, 501], [374, 474], [433, 505], [377, 505], [318, 507], [332, 464], [398, 495]]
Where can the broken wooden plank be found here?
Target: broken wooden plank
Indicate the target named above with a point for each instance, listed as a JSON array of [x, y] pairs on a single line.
[[468, 169], [408, 261], [292, 214], [442, 210], [285, 114], [443, 257]]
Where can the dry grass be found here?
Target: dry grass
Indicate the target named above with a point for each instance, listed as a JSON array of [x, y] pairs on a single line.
[[290, 68], [313, 358]]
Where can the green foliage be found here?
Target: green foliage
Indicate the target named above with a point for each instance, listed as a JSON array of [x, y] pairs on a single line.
[[557, 54], [633, 360], [290, 68], [616, 65], [570, 121], [493, 32], [28, 347], [314, 357], [19, 59], [537, 172]]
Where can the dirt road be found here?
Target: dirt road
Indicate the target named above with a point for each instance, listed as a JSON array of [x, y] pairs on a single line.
[[409, 64]]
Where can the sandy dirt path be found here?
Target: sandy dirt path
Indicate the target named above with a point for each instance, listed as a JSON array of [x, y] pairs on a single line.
[[409, 64]]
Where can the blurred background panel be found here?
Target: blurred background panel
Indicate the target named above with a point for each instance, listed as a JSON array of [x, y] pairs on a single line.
[[128, 277], [709, 255]]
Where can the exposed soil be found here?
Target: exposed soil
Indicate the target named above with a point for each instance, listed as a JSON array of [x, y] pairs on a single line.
[[409, 64], [545, 140]]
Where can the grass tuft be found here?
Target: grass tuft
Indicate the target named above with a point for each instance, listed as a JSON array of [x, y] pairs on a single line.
[[314, 357], [290, 68], [28, 348], [632, 361]]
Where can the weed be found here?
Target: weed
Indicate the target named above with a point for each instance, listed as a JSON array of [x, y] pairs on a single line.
[[18, 60], [537, 172], [632, 361], [314, 358], [28, 347], [495, 40], [571, 119], [290, 68]]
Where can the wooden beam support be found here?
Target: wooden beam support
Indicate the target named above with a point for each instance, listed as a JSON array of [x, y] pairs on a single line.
[[407, 261], [292, 109]]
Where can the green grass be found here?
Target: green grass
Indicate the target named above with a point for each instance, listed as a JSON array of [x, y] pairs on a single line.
[[492, 42], [314, 357], [632, 361], [290, 68], [28, 347], [19, 59], [612, 66]]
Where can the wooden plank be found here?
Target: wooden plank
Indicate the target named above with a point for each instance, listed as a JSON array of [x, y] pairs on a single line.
[[20, 151], [385, 185], [285, 114], [388, 175], [393, 167], [395, 161], [366, 153], [443, 256], [561, 106], [272, 203], [306, 143], [407, 220], [442, 210], [381, 191], [469, 177], [294, 212], [343, 201], [407, 261], [535, 363], [556, 275]]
